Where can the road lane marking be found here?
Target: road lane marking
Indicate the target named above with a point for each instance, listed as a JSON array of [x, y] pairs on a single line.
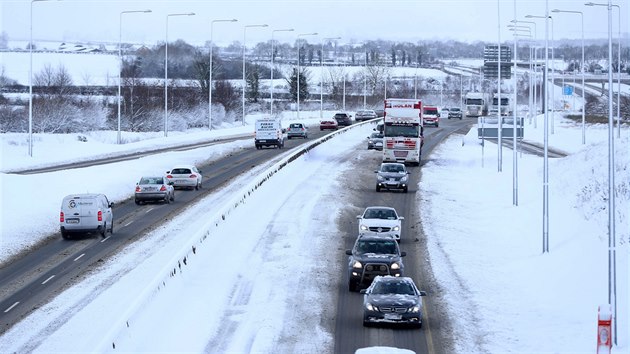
[[129, 223], [12, 306], [105, 239], [46, 281], [76, 259]]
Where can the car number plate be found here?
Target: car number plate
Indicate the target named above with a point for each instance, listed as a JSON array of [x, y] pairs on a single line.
[[392, 180], [262, 141], [72, 221], [392, 316]]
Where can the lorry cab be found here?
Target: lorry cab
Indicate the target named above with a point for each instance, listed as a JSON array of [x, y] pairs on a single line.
[[86, 213], [268, 132]]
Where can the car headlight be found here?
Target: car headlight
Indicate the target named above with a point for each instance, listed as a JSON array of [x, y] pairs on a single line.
[[371, 307], [371, 141], [396, 228], [379, 177], [414, 309], [357, 264], [395, 266], [363, 228], [403, 178]]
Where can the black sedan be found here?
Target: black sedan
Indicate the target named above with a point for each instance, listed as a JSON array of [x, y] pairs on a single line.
[[392, 300]]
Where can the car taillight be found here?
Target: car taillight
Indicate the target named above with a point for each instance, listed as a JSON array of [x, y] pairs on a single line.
[[163, 188], [138, 189], [169, 176], [193, 176], [61, 217], [100, 215]]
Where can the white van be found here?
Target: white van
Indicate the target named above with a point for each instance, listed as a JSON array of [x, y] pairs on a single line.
[[268, 132], [86, 213]]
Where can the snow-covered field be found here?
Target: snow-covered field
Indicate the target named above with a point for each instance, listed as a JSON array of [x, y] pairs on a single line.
[[503, 293]]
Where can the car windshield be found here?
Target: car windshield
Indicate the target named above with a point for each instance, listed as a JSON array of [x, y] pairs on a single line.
[[151, 180], [398, 287], [378, 247], [393, 168], [340, 116], [377, 135], [294, 125], [455, 109], [386, 214]]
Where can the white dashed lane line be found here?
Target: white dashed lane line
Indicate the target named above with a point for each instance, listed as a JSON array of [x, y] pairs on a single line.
[[76, 259], [47, 280], [11, 307]]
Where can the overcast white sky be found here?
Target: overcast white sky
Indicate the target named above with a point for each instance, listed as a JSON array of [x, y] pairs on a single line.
[[353, 20]]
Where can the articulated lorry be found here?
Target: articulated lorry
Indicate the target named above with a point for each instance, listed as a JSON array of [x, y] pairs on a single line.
[[402, 131]]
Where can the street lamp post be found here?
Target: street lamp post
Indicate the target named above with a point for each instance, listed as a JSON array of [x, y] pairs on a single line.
[[553, 82], [272, 55], [166, 71], [298, 68], [618, 60], [321, 74], [120, 63], [210, 72], [582, 68], [244, 82], [365, 81]]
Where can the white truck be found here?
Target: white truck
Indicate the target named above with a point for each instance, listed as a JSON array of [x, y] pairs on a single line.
[[476, 104], [268, 132], [506, 107], [402, 131]]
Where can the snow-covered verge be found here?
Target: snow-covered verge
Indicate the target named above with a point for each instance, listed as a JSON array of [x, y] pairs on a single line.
[[504, 293]]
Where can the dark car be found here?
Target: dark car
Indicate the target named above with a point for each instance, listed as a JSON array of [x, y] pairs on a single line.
[[375, 141], [343, 119], [455, 113], [297, 130], [392, 175], [365, 114], [371, 256], [392, 300]]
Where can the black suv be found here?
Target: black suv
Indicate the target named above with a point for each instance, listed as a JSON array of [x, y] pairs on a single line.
[[373, 255], [343, 119]]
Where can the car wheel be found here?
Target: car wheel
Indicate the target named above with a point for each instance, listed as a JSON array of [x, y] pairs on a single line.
[[378, 189], [366, 323], [167, 199], [173, 197], [288, 137], [65, 235], [111, 229], [137, 202], [405, 190], [460, 118], [103, 230]]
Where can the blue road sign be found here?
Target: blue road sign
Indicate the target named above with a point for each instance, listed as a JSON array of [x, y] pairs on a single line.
[[568, 90]]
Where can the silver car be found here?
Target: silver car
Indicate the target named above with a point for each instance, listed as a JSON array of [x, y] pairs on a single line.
[[185, 176], [154, 189], [392, 175], [297, 130]]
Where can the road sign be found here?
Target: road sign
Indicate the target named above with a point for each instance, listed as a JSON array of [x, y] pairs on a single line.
[[567, 90]]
